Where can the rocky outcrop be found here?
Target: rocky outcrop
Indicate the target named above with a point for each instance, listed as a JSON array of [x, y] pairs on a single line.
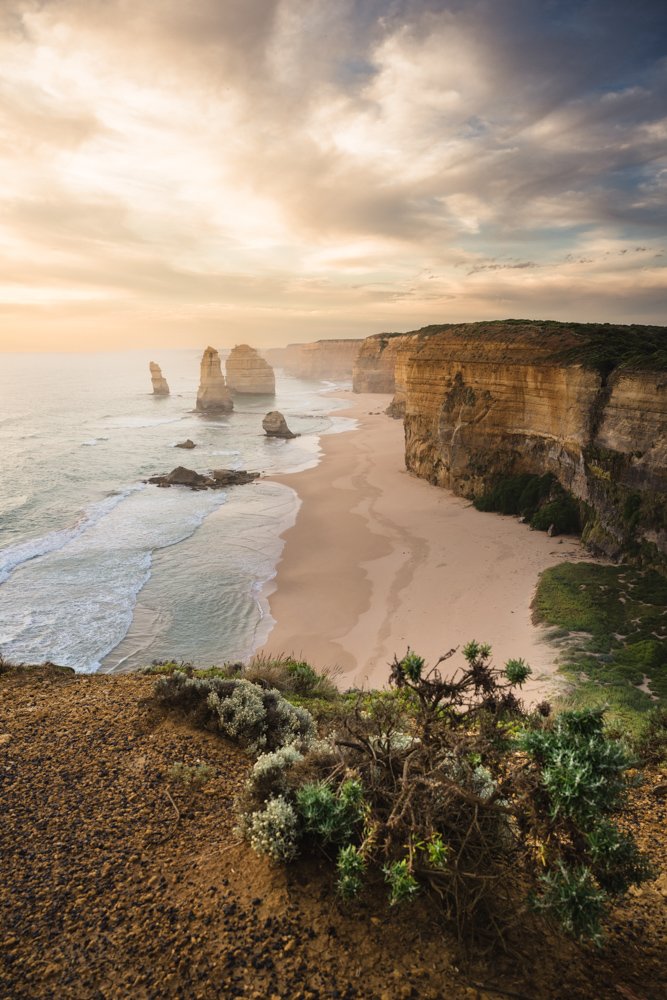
[[275, 425], [248, 373], [160, 386], [197, 481], [488, 400], [186, 444], [324, 359], [213, 395], [374, 369]]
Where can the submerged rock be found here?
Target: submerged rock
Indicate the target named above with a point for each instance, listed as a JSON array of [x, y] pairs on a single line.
[[213, 395], [275, 425], [185, 444], [248, 373], [181, 476], [160, 386]]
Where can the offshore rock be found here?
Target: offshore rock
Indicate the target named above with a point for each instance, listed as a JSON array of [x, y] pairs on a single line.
[[248, 373], [185, 444], [196, 481], [488, 400], [213, 395], [275, 425], [233, 477], [160, 386]]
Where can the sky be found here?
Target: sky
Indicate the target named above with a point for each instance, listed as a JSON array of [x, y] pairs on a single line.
[[175, 173]]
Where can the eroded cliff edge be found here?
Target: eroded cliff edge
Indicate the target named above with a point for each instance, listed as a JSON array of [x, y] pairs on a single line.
[[585, 402]]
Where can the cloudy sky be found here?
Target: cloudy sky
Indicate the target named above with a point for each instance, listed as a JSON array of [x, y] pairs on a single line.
[[176, 172]]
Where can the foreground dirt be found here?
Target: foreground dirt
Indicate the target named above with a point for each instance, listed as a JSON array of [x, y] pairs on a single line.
[[117, 881]]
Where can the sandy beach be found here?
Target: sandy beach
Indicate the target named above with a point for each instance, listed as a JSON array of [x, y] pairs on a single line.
[[379, 559]]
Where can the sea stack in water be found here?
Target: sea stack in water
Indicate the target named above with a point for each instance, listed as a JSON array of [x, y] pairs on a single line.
[[275, 425], [213, 395], [160, 387], [248, 373]]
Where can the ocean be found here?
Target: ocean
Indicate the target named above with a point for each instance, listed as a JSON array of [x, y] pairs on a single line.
[[99, 571]]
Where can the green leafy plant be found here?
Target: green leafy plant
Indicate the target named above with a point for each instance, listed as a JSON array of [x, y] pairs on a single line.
[[351, 868], [403, 886], [517, 671], [328, 814], [574, 897]]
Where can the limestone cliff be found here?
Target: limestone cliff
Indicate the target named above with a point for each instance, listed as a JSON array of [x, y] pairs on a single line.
[[160, 387], [248, 373], [213, 395], [375, 368], [323, 359], [488, 400]]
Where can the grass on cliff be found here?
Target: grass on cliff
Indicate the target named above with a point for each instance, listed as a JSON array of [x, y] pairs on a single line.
[[611, 622]]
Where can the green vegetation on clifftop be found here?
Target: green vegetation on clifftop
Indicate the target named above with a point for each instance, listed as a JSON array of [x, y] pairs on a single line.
[[612, 624]]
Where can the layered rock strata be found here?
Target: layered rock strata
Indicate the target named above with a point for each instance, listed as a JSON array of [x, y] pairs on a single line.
[[374, 369], [275, 425], [160, 386], [213, 395], [248, 373], [488, 400], [323, 359]]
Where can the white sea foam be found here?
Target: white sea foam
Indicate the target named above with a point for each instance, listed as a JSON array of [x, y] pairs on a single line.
[[14, 556], [83, 593], [70, 583]]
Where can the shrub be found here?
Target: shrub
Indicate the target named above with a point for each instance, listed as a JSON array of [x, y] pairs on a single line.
[[582, 771], [572, 895], [256, 718], [273, 830], [445, 783], [541, 500], [651, 744], [193, 776], [330, 815], [351, 868]]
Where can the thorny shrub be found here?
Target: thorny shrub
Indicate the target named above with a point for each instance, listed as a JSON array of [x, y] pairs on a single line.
[[448, 784]]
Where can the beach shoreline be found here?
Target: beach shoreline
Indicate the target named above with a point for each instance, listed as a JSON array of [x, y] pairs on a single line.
[[379, 560]]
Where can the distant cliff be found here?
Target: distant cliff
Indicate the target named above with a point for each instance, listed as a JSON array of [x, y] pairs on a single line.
[[375, 365], [323, 359], [585, 402]]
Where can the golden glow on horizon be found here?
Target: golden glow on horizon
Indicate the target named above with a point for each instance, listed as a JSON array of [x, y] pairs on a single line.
[[173, 175]]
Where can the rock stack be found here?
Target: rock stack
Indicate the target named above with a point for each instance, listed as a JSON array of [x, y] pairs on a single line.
[[160, 387], [275, 425], [248, 373], [213, 395]]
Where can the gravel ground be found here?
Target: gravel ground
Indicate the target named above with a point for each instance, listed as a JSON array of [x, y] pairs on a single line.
[[118, 880]]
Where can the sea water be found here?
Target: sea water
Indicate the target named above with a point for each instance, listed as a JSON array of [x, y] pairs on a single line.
[[99, 570]]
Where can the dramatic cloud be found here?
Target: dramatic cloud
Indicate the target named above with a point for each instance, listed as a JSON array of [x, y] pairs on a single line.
[[289, 169]]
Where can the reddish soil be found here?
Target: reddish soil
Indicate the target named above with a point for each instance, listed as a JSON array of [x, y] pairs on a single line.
[[118, 881]]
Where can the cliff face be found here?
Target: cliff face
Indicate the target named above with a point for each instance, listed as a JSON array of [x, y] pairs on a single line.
[[213, 395], [488, 400], [375, 366], [160, 387], [248, 373], [324, 359]]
